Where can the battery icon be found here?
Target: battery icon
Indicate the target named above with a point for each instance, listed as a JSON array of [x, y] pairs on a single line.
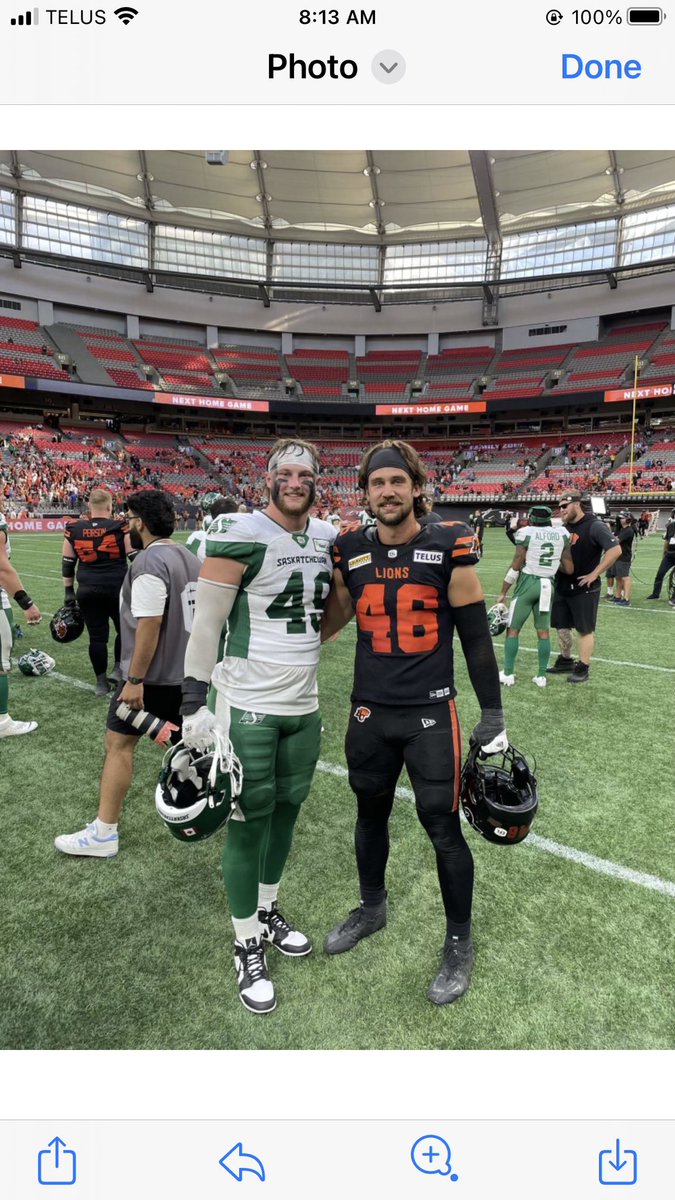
[[644, 16]]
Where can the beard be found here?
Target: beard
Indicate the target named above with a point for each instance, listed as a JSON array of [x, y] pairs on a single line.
[[307, 499], [135, 539], [395, 516]]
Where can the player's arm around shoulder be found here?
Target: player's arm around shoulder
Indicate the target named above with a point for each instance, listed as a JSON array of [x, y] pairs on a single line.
[[566, 560], [339, 609]]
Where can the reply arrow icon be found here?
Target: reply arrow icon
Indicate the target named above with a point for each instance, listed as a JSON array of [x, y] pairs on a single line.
[[236, 1162]]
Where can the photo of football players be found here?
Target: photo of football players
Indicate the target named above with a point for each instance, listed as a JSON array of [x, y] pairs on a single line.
[[575, 607], [98, 547], [541, 550], [10, 584], [266, 575], [411, 586], [155, 616]]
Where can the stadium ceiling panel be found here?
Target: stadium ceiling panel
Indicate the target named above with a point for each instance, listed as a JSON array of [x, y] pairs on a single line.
[[329, 195]]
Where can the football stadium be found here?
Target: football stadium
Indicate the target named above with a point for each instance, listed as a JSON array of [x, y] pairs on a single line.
[[166, 317]]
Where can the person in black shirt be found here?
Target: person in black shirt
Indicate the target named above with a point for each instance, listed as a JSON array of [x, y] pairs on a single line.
[[99, 547], [668, 560], [594, 548], [411, 586], [625, 535]]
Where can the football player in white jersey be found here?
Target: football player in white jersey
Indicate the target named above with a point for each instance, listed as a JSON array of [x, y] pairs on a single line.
[[541, 549], [267, 574]]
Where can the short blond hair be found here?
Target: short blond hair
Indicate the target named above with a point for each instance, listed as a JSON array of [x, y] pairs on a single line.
[[100, 498]]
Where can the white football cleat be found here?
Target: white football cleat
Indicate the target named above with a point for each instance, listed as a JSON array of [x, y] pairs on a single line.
[[87, 842], [540, 680], [507, 680], [10, 728]]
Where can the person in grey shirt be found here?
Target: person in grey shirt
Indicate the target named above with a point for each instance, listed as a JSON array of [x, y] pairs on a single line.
[[156, 607]]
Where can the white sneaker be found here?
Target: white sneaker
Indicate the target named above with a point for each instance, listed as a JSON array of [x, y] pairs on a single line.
[[10, 728], [256, 991], [87, 842], [507, 680], [540, 680]]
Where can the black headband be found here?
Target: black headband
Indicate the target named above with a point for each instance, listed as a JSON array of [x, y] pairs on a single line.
[[389, 457]]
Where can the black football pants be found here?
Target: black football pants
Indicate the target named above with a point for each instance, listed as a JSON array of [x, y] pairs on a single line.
[[100, 606], [426, 739], [666, 564]]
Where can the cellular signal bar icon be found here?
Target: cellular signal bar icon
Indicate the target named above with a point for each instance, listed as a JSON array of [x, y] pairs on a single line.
[[28, 18]]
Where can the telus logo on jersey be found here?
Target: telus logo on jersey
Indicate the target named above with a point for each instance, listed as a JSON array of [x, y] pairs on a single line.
[[428, 556]]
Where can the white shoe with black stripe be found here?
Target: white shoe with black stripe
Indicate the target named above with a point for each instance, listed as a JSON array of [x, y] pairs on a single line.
[[255, 986], [275, 929]]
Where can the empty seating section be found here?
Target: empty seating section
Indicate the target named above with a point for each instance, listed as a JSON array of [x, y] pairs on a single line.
[[25, 349]]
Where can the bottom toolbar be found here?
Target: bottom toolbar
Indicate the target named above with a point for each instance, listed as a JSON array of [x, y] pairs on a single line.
[[291, 1160]]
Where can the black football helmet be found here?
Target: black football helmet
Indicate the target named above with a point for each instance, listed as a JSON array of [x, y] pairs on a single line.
[[67, 624], [499, 799]]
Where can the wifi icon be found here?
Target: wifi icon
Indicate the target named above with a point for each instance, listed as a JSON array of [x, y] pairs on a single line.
[[126, 14]]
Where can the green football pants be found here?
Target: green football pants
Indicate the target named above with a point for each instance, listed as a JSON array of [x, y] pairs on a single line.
[[278, 757]]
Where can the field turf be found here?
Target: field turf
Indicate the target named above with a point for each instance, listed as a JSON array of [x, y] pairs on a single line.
[[574, 929]]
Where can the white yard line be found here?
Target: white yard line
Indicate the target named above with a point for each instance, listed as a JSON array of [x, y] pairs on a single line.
[[601, 866]]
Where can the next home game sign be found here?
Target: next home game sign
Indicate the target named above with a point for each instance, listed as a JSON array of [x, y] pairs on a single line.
[[429, 410], [192, 401], [643, 393]]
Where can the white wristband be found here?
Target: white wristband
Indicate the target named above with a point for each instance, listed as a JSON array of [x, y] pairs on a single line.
[[511, 575]]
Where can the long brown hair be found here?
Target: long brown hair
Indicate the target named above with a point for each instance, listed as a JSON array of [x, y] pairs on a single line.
[[416, 468]]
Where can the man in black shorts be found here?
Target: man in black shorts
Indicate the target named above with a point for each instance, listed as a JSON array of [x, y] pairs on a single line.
[[411, 586], [157, 603], [98, 545], [594, 548]]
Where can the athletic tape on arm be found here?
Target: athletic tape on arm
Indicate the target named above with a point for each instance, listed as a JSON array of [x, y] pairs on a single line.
[[213, 604]]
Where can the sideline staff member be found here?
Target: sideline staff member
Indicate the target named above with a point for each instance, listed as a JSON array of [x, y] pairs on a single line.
[[577, 596], [157, 602], [668, 560], [100, 547]]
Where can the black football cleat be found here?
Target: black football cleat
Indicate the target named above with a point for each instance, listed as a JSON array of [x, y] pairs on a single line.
[[360, 923], [561, 665], [454, 977], [579, 674]]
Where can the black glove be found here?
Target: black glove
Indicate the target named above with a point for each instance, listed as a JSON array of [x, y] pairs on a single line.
[[490, 732]]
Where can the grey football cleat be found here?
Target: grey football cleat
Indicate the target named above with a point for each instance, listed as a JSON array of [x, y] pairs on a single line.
[[360, 923], [454, 977]]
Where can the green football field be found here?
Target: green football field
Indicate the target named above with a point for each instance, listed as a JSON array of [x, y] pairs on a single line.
[[574, 929]]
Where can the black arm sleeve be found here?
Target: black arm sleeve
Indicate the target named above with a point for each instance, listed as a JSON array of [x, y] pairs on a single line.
[[471, 624]]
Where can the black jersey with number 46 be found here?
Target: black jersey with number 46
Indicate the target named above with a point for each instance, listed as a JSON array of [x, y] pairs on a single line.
[[404, 619]]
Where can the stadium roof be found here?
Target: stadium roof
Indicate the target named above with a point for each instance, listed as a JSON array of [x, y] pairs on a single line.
[[352, 196]]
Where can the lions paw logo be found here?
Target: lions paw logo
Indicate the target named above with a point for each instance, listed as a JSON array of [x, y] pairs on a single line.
[[60, 629], [362, 714]]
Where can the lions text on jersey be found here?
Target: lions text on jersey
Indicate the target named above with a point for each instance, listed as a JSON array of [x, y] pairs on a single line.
[[404, 618], [273, 641]]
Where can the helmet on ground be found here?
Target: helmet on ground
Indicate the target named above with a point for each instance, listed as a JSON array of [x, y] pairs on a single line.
[[540, 514], [498, 619], [36, 662], [197, 793], [499, 799], [67, 624]]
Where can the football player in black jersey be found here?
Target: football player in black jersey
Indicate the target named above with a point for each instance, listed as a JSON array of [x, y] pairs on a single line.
[[411, 586], [99, 545]]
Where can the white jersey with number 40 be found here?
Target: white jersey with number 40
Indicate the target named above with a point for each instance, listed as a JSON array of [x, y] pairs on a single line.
[[544, 545], [273, 641]]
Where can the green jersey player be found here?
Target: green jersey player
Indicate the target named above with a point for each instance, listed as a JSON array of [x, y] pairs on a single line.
[[541, 549], [267, 574], [10, 583]]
